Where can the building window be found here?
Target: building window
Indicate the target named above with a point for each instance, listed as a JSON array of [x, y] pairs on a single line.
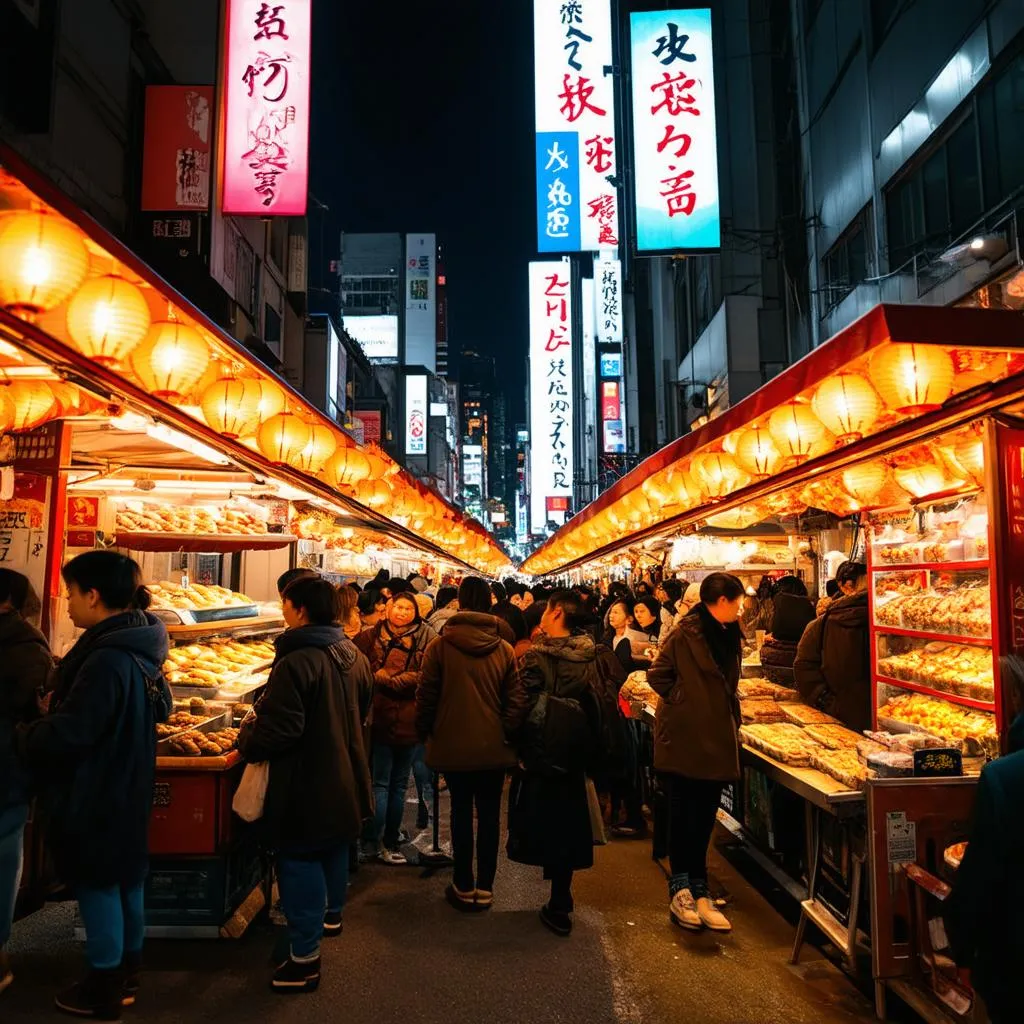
[[1001, 119], [850, 260], [938, 201]]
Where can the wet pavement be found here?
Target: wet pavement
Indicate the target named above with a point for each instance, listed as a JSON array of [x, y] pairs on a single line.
[[406, 956]]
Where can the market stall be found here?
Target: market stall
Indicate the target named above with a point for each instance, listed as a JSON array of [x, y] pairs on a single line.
[[128, 420], [899, 440]]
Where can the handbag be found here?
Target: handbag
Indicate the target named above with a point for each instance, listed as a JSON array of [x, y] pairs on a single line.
[[596, 818], [251, 794]]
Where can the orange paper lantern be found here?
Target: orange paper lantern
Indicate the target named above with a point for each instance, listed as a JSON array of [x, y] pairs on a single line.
[[866, 482], [847, 405], [757, 453], [107, 318], [795, 430], [346, 467], [171, 359], [283, 437], [912, 379], [43, 259], [718, 474], [323, 442], [32, 403], [237, 406]]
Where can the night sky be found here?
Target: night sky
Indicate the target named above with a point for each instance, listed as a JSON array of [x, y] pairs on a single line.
[[423, 121]]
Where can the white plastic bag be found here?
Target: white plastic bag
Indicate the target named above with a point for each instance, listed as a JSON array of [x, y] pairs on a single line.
[[252, 792]]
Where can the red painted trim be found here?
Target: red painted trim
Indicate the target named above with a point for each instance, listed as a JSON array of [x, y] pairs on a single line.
[[923, 634]]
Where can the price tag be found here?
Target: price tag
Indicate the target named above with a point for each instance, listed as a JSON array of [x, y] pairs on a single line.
[[938, 761], [901, 836], [184, 581]]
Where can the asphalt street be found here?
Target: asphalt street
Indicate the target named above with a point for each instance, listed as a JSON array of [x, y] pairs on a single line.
[[406, 956]]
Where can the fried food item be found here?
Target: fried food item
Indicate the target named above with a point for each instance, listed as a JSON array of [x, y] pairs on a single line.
[[783, 741], [195, 597]]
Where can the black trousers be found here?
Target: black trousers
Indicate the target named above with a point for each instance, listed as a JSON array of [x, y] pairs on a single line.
[[482, 790], [561, 901], [692, 806]]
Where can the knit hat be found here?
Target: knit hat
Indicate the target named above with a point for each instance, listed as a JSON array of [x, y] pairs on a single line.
[[425, 605], [419, 584]]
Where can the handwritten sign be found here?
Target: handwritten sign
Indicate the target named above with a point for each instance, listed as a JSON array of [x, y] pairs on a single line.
[[938, 761]]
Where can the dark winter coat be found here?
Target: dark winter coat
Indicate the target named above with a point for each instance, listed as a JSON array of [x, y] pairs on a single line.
[[470, 703], [832, 667], [395, 661], [696, 730], [548, 816], [25, 667], [792, 616], [983, 916], [308, 725], [95, 752]]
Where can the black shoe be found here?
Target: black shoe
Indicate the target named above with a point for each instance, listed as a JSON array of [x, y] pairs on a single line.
[[333, 924], [293, 978], [131, 971], [559, 923], [98, 996]]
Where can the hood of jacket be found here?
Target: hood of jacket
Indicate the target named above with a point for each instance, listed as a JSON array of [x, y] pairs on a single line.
[[315, 636], [138, 633], [579, 647], [474, 633], [15, 630], [849, 612]]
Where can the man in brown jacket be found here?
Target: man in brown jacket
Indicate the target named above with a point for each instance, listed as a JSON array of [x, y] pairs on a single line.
[[470, 705], [696, 742], [832, 667]]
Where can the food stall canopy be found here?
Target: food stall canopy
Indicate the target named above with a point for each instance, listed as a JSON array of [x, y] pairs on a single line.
[[896, 374], [81, 317]]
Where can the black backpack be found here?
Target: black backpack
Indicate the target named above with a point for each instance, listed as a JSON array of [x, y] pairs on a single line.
[[610, 754], [560, 735]]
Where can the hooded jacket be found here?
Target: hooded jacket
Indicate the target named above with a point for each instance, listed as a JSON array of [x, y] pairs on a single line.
[[25, 667], [985, 927], [470, 703], [441, 618], [395, 660], [696, 730], [96, 751], [308, 725], [793, 614], [832, 667]]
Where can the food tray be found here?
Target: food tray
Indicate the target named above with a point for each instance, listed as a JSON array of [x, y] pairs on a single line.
[[762, 688], [761, 709], [834, 737], [212, 724], [802, 714], [783, 742]]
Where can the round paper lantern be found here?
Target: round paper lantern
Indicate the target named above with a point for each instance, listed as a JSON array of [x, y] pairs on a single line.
[[283, 437], [924, 479], [718, 474], [43, 259], [107, 318], [69, 398], [866, 482], [323, 443], [847, 405], [374, 493], [237, 406], [795, 430], [6, 410], [171, 359], [756, 452], [966, 459], [32, 403], [346, 467], [912, 379]]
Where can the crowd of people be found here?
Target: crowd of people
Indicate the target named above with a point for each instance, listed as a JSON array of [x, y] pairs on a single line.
[[508, 694]]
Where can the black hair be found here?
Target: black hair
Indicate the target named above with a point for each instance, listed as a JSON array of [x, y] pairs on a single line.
[[571, 605], [719, 585], [652, 605], [116, 578], [673, 589], [445, 596], [643, 588], [765, 588], [321, 600], [628, 605], [474, 595], [832, 588], [540, 593], [513, 616], [790, 585], [851, 572], [355, 586], [17, 589], [399, 586], [289, 576], [499, 592], [368, 601], [533, 615]]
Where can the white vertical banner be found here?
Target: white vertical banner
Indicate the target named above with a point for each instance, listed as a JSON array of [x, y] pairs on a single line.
[[577, 206], [551, 392], [589, 411], [608, 295], [416, 414], [421, 301], [675, 145]]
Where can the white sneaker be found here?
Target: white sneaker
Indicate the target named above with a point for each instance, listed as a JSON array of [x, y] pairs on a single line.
[[392, 857], [711, 916], [683, 911]]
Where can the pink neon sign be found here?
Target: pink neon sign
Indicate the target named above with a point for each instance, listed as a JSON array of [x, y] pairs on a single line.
[[266, 119]]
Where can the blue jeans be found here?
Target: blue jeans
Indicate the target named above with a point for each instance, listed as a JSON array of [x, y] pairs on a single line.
[[115, 923], [424, 783], [391, 767], [12, 842], [310, 886]]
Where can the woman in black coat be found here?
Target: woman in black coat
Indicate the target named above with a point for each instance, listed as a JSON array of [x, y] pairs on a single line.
[[793, 612], [308, 727], [95, 757]]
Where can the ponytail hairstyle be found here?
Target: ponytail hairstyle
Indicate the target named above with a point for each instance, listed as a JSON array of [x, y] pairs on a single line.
[[116, 578]]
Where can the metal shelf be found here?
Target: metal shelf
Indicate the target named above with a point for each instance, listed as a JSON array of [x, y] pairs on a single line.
[[950, 638], [982, 564], [930, 691]]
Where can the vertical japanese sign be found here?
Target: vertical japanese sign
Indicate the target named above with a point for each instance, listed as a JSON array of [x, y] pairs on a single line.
[[266, 119], [416, 414], [176, 147], [608, 282], [551, 389], [577, 206], [674, 132], [609, 316], [421, 301]]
